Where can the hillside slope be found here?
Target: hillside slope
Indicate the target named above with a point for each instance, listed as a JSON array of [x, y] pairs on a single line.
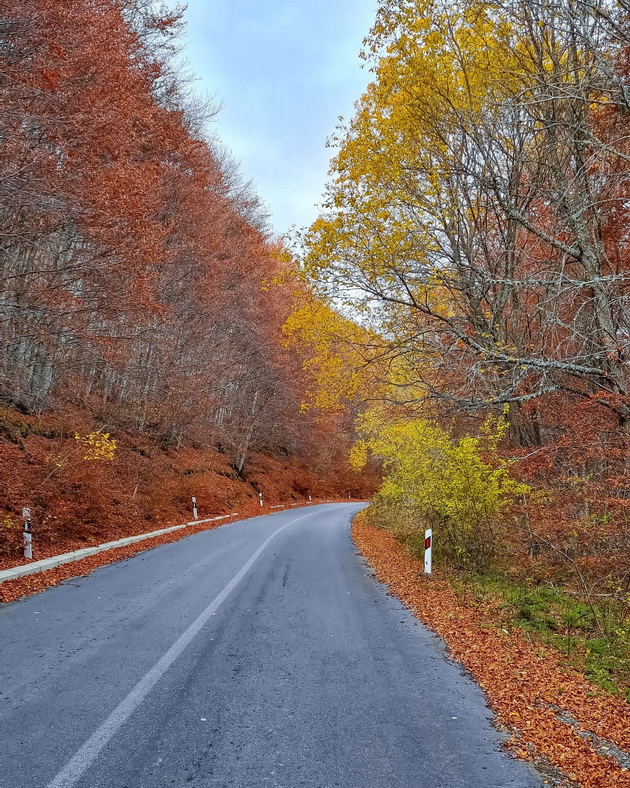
[[77, 501]]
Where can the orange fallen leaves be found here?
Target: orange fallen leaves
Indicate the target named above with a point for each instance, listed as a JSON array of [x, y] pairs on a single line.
[[525, 684]]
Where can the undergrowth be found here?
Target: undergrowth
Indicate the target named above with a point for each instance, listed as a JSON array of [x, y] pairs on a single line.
[[592, 633], [594, 637]]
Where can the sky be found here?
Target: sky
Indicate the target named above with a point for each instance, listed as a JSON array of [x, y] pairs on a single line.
[[283, 71]]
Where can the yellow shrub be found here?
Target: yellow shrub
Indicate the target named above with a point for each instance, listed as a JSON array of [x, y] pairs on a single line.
[[97, 445], [445, 483]]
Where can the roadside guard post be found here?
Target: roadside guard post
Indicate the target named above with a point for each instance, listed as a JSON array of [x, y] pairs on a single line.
[[428, 547], [26, 533], [194, 503], [260, 500]]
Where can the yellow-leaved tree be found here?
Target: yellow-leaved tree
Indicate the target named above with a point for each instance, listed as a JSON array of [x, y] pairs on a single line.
[[340, 356], [458, 487], [405, 232], [475, 173]]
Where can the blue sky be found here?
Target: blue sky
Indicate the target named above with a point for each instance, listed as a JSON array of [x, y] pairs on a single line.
[[284, 71]]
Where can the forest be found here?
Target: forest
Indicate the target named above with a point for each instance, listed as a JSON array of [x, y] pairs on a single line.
[[143, 295], [454, 327], [449, 339]]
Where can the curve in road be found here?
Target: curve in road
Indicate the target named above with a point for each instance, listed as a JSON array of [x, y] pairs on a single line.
[[262, 653]]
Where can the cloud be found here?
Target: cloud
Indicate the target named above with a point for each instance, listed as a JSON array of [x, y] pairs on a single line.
[[284, 71]]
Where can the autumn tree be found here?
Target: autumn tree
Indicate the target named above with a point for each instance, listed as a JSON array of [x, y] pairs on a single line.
[[476, 220], [471, 198]]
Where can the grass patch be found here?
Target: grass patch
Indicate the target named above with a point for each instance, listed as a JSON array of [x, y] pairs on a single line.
[[594, 638]]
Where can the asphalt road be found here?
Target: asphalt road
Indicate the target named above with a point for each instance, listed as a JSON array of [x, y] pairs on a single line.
[[259, 654]]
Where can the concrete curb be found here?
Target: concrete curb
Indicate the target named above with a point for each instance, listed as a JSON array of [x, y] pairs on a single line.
[[77, 555]]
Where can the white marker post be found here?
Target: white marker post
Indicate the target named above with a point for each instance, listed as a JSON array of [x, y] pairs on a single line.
[[194, 503], [309, 497], [428, 548], [26, 533], [260, 500]]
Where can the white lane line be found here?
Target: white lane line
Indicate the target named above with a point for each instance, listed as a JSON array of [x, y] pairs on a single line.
[[80, 762]]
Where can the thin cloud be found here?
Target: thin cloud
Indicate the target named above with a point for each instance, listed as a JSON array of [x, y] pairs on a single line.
[[284, 71]]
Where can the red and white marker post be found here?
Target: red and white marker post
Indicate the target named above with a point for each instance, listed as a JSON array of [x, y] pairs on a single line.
[[428, 548], [26, 533]]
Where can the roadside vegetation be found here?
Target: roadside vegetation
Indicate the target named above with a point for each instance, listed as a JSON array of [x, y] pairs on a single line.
[[593, 637], [479, 548], [576, 732], [462, 490]]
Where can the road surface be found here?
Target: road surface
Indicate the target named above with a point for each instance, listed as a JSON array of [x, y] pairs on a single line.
[[258, 654]]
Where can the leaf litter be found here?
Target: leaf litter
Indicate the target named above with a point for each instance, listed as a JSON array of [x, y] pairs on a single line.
[[574, 732]]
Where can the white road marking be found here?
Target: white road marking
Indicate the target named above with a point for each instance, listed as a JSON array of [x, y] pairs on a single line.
[[81, 761]]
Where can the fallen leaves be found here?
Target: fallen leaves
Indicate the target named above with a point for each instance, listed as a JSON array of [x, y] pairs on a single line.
[[527, 686]]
